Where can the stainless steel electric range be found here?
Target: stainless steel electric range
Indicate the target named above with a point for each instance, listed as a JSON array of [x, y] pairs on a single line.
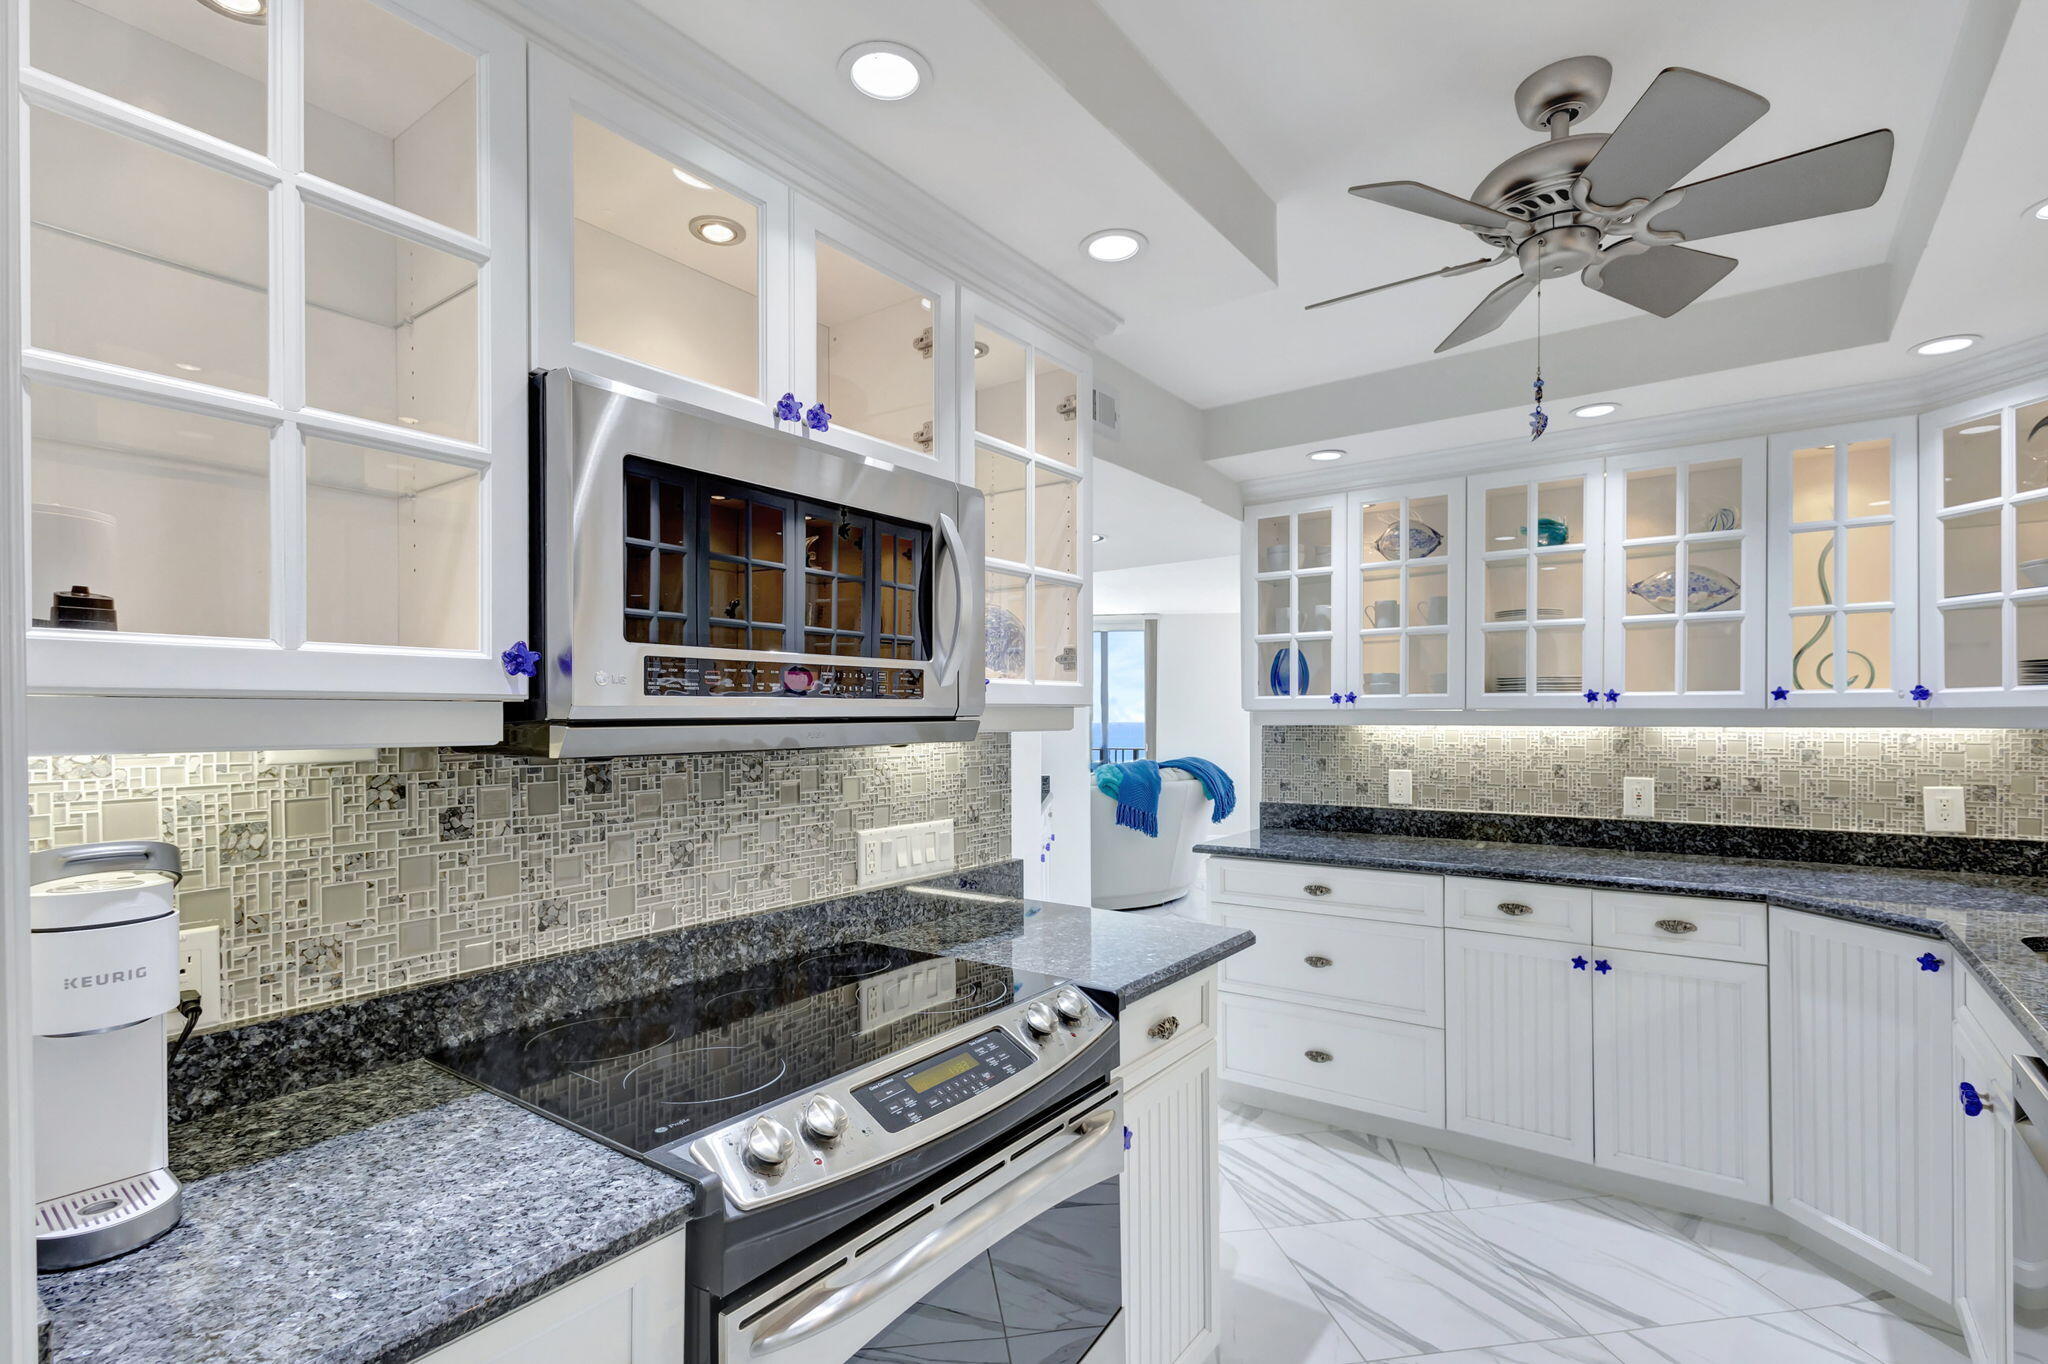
[[898, 1156]]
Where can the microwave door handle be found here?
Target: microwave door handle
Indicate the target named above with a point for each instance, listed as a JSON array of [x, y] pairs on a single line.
[[808, 1314], [949, 669]]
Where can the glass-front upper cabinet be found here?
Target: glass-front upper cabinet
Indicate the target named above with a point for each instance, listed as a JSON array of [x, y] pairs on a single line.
[[1298, 605], [1410, 556], [275, 348], [666, 260], [1029, 445], [1984, 550], [1534, 594], [1844, 585], [1684, 565]]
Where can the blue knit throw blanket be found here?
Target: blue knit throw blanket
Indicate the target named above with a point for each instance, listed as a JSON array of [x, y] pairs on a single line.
[[1135, 788]]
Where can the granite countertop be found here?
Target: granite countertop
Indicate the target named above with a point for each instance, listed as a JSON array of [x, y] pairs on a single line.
[[1983, 917], [371, 1219]]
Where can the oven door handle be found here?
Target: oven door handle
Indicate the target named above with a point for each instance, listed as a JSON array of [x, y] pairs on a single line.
[[818, 1310], [949, 669]]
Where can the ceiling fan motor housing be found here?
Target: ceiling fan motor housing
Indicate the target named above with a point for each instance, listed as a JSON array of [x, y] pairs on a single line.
[[1536, 183]]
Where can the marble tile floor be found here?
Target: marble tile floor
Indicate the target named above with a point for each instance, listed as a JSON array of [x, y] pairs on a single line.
[[1342, 1248]]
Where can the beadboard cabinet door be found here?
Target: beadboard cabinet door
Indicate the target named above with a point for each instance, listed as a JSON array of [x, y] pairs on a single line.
[[1861, 1082], [1681, 1071], [1518, 1024], [1171, 1214], [629, 1312]]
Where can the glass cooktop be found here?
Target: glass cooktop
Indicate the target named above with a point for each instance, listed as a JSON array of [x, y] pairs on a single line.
[[649, 1072]]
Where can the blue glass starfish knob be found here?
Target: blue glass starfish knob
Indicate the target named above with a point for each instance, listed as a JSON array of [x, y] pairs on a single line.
[[1779, 693], [1602, 967], [1350, 698], [1592, 697], [1929, 962], [1335, 699], [520, 661], [1578, 963], [1612, 696]]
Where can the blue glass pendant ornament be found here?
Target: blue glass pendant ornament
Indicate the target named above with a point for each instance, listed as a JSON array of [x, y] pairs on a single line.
[[1539, 420]]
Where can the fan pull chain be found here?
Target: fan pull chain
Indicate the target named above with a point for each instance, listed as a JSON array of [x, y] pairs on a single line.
[[1539, 420]]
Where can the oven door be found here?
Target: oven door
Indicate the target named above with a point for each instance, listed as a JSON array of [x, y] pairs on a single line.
[[696, 567], [1017, 1257]]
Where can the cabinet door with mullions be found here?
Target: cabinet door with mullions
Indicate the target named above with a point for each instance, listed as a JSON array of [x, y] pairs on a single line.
[[1534, 597], [1409, 552], [1294, 597]]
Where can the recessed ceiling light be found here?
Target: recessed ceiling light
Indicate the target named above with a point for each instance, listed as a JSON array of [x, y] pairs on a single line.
[[885, 71], [980, 349], [925, 303], [1325, 456], [187, 366], [1947, 345], [1597, 410], [692, 181], [1096, 537], [1113, 244], [248, 11], [1984, 430], [2039, 211], [717, 230]]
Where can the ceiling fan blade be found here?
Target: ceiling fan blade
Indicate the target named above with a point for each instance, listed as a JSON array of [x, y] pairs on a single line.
[[1436, 203], [1491, 312], [1681, 120], [1835, 178], [1661, 280], [1465, 268]]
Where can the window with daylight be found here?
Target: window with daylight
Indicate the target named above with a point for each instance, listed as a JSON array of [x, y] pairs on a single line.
[[1125, 697]]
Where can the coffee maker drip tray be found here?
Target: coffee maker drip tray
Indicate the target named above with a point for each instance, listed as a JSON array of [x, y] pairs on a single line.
[[92, 1225]]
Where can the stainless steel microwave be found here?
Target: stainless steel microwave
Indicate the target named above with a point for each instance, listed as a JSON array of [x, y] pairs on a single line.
[[701, 582]]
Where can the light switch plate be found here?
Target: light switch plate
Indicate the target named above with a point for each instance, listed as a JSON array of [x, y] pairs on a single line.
[[1400, 786], [1638, 797], [1942, 809], [198, 969], [904, 852]]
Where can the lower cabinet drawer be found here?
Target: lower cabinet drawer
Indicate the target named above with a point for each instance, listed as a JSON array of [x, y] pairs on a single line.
[[1683, 925], [1392, 970], [1373, 1064], [1524, 908], [1413, 897], [1181, 1010]]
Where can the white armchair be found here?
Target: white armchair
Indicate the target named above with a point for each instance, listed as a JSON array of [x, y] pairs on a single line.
[[1131, 871]]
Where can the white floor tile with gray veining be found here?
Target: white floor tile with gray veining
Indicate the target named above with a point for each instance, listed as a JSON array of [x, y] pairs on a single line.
[[1345, 1248]]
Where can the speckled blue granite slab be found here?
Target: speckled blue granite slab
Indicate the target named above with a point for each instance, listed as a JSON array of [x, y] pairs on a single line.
[[1985, 918], [370, 1220]]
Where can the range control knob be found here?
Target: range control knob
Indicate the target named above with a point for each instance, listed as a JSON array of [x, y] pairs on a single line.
[[824, 1118], [768, 1144], [1070, 1003], [1039, 1017]]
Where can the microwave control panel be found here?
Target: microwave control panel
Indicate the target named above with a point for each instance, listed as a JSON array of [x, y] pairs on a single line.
[[686, 675]]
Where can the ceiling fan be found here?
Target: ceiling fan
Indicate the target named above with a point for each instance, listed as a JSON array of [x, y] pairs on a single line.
[[1603, 204]]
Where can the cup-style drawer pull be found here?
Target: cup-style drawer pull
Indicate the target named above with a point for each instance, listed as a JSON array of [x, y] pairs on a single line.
[[1163, 1029], [1318, 1055], [1515, 909], [1317, 960], [1316, 888], [1678, 925]]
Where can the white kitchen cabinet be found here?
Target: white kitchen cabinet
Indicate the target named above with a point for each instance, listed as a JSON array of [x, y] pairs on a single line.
[[1518, 1041], [1026, 436], [1538, 542], [276, 351], [1681, 1071], [1405, 640], [1293, 599], [1984, 550], [1861, 1091], [1389, 970], [1983, 1230], [1682, 605], [1171, 1221], [1844, 566], [1352, 1060], [629, 1312]]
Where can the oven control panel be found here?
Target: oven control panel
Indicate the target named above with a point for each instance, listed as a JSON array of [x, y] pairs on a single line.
[[872, 1115], [939, 1082]]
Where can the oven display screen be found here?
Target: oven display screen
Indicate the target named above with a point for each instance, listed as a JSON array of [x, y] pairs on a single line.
[[942, 1072], [938, 1082]]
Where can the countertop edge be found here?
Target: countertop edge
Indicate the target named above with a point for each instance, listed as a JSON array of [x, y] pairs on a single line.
[[1192, 964]]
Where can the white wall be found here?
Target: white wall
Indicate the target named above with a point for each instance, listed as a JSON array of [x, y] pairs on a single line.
[[1200, 711], [1064, 874]]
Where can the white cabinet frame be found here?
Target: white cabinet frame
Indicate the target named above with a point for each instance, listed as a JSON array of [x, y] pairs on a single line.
[[1747, 538], [1589, 543], [1355, 631], [560, 93], [1792, 636], [289, 663]]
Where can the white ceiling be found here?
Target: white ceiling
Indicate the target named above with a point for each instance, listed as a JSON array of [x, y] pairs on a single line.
[[1143, 521], [1310, 96]]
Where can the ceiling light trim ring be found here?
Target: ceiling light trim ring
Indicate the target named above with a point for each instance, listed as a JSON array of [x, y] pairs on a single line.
[[1139, 241], [882, 47], [256, 11], [1945, 345], [1595, 410], [1327, 456], [705, 222]]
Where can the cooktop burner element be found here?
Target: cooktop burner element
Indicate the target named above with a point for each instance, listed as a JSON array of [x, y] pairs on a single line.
[[647, 1074]]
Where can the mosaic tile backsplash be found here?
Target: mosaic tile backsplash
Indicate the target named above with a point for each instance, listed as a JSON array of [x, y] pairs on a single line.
[[1857, 779], [336, 880]]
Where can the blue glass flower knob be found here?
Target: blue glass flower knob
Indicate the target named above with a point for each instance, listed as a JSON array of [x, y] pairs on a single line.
[[1779, 693], [1928, 961], [1612, 696], [1592, 697], [1602, 966], [817, 418], [520, 661], [1972, 1101], [1921, 694], [1578, 963], [788, 409]]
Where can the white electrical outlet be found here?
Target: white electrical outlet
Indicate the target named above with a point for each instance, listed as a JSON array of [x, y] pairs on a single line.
[[198, 969], [904, 852], [1638, 797], [1400, 786], [1942, 809]]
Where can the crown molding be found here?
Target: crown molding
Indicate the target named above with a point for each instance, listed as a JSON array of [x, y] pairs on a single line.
[[2009, 366], [630, 47]]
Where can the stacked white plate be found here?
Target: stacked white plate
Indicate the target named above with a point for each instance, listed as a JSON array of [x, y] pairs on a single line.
[[1522, 613], [2034, 672], [1549, 682]]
